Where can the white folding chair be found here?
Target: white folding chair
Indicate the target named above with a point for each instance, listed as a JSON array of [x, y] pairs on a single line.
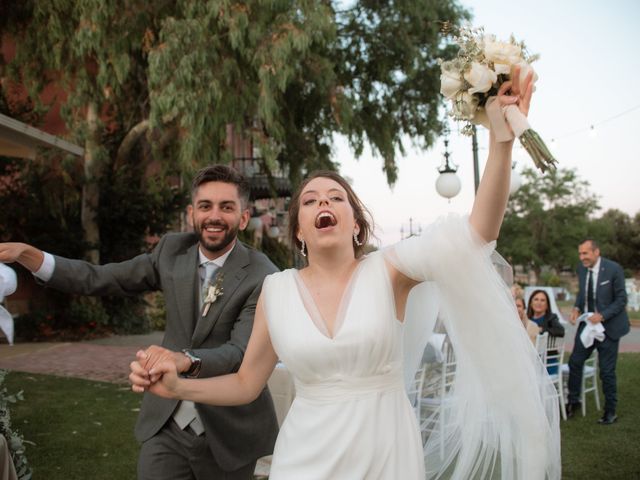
[[541, 346], [434, 401], [590, 377], [414, 392], [553, 362]]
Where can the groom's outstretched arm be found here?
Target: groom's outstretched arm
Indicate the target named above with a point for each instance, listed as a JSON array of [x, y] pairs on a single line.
[[26, 255]]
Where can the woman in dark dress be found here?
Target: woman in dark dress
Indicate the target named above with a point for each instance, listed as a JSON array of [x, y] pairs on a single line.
[[539, 312]]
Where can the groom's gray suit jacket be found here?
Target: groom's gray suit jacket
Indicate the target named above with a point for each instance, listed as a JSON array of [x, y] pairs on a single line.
[[236, 435]]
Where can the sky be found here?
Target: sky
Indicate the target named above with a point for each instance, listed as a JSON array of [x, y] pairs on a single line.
[[589, 74]]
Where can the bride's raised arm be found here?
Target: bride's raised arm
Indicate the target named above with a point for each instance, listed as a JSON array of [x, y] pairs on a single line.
[[493, 192], [418, 259]]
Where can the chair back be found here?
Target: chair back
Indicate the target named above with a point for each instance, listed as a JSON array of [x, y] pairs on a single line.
[[449, 366], [414, 392], [436, 402], [555, 353], [541, 346]]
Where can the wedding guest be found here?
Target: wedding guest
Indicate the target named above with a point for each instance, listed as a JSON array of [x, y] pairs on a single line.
[[539, 312], [531, 327], [183, 440], [517, 291], [338, 325], [602, 292]]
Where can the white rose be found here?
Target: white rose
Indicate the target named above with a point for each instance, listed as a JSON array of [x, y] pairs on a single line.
[[502, 68], [450, 83], [480, 77], [465, 105], [503, 53]]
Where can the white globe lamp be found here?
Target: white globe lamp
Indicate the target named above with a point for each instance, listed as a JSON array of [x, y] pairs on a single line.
[[448, 183]]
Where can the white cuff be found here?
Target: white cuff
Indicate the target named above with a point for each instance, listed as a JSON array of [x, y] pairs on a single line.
[[45, 272]]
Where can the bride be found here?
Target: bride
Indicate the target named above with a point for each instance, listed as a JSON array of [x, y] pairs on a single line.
[[338, 323]]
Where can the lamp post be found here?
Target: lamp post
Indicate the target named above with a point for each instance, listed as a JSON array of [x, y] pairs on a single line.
[[411, 233], [448, 184], [474, 147]]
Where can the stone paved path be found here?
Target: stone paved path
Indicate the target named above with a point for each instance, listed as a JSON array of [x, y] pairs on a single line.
[[104, 363], [105, 360]]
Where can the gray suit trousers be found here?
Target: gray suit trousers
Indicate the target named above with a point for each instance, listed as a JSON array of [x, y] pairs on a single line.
[[175, 454]]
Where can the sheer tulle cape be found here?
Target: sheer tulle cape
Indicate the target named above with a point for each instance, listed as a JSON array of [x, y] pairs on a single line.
[[501, 419]]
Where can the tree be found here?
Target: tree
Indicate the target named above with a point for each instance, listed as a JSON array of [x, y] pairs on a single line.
[[618, 236], [154, 86], [290, 74], [546, 219]]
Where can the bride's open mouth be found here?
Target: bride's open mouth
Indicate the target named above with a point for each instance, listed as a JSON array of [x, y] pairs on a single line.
[[325, 220]]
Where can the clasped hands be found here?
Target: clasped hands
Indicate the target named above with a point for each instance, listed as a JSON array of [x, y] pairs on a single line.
[[156, 370]]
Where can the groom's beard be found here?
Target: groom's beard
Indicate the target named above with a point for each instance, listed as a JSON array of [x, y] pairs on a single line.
[[215, 246]]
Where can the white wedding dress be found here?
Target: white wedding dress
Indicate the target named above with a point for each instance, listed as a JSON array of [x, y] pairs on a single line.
[[351, 418]]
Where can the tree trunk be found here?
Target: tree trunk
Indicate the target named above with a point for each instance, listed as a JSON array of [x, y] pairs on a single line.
[[90, 191], [128, 143]]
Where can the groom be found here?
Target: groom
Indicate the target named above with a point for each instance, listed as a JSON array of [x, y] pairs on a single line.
[[182, 440]]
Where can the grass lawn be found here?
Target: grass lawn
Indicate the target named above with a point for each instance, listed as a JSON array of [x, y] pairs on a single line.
[[84, 430]]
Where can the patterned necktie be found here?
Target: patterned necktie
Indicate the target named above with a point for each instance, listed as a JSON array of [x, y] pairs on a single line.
[[590, 300], [209, 271]]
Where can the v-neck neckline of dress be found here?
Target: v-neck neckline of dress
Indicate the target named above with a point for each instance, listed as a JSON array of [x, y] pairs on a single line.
[[313, 311]]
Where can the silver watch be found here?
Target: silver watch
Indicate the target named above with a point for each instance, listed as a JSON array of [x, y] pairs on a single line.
[[196, 363]]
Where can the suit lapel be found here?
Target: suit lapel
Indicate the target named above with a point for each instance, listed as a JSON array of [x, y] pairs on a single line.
[[186, 286], [233, 273], [601, 277]]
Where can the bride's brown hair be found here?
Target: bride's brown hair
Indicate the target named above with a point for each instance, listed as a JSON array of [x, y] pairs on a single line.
[[361, 214]]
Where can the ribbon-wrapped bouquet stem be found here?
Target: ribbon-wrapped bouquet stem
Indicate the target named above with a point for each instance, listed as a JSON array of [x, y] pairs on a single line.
[[472, 79]]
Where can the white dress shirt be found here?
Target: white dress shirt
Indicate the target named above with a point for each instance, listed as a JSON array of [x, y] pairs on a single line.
[[186, 414], [594, 275]]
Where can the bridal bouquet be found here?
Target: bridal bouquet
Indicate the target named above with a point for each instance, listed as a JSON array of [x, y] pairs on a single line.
[[472, 79]]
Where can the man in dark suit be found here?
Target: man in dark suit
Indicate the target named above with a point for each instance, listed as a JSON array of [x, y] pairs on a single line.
[[211, 283], [601, 291]]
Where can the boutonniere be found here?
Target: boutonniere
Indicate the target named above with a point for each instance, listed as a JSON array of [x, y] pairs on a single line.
[[214, 290]]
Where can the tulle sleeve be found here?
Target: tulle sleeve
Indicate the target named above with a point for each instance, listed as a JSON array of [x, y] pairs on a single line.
[[502, 417]]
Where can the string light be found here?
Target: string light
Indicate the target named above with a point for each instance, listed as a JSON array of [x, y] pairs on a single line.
[[592, 128]]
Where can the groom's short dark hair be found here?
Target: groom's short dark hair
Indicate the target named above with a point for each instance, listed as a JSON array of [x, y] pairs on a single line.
[[225, 174]]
